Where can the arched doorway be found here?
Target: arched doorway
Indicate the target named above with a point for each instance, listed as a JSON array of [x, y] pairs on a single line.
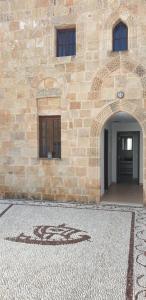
[[121, 159], [95, 161]]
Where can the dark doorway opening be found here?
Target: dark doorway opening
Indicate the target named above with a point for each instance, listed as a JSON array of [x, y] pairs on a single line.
[[128, 157], [121, 176], [106, 159]]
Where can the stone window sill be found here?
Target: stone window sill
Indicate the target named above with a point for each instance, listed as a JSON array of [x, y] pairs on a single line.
[[46, 159], [65, 59], [116, 53]]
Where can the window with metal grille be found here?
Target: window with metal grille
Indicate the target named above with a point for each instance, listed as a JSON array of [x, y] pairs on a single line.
[[66, 42], [50, 136], [120, 37]]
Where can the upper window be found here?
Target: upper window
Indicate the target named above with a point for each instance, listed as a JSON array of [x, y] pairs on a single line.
[[120, 37], [66, 42], [50, 136]]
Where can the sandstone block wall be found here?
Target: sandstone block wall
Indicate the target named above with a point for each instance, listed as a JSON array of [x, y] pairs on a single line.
[[82, 89]]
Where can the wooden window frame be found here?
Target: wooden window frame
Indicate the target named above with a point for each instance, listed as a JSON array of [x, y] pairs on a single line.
[[48, 145]]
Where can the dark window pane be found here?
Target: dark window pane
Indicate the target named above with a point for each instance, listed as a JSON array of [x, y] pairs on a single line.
[[116, 45], [124, 44], [66, 42], [120, 37]]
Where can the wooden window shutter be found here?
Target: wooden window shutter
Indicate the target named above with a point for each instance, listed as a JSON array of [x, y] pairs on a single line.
[[50, 136], [43, 147], [57, 137]]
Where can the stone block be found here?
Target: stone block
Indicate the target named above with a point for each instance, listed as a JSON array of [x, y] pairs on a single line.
[[47, 93], [42, 3], [75, 105]]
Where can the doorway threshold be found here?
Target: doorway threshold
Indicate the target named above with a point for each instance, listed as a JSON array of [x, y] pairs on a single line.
[[124, 193], [123, 204]]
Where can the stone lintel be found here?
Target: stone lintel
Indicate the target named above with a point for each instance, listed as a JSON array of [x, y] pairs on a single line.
[[48, 93]]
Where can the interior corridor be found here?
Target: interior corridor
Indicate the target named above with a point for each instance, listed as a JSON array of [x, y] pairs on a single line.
[[121, 169]]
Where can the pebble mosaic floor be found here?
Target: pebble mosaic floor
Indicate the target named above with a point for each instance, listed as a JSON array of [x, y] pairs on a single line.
[[60, 251]]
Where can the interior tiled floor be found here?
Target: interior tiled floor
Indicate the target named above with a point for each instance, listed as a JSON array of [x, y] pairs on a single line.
[[124, 193]]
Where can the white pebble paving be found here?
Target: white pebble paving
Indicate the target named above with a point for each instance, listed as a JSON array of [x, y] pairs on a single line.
[[3, 207], [89, 270]]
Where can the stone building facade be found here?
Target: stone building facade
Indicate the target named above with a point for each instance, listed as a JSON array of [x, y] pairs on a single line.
[[82, 89]]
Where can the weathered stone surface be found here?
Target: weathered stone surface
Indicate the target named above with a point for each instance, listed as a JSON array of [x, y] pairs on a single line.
[[82, 89], [48, 93]]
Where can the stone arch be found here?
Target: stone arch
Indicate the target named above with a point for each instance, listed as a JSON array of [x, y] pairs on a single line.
[[48, 97], [48, 87], [123, 14], [113, 108], [119, 20], [44, 76], [121, 60], [95, 135], [127, 16]]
